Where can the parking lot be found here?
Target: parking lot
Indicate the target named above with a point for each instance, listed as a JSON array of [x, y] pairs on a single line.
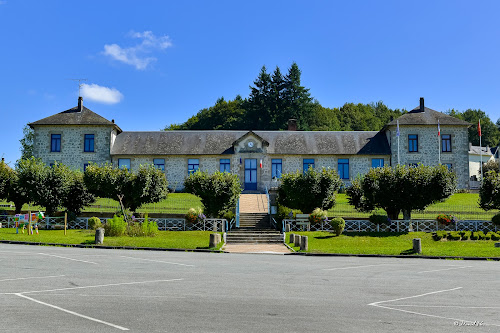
[[52, 289]]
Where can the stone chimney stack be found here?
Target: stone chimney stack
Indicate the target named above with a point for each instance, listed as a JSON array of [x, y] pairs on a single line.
[[422, 107], [292, 124], [80, 104]]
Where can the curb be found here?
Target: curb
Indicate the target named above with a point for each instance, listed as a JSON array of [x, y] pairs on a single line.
[[92, 246]]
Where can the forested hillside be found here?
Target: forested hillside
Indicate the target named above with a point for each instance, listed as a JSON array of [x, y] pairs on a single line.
[[274, 98]]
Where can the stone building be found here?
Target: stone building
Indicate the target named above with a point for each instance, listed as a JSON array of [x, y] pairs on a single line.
[[78, 136]]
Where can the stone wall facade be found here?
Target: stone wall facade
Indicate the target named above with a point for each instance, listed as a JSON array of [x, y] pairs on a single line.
[[429, 151], [72, 144]]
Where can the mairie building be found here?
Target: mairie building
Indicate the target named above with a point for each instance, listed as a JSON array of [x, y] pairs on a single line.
[[79, 136]]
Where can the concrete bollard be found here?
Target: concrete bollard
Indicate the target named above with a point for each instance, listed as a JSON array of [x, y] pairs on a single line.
[[224, 237], [219, 238], [304, 243], [287, 228], [99, 236], [214, 240], [292, 238], [417, 245], [297, 240]]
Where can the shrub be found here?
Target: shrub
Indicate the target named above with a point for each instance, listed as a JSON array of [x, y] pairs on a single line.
[[438, 235], [318, 216], [194, 215], [94, 223], [454, 235], [115, 227], [445, 219], [474, 236], [338, 225], [496, 219], [284, 212], [229, 215], [465, 234], [379, 219], [145, 228], [494, 236], [480, 235]]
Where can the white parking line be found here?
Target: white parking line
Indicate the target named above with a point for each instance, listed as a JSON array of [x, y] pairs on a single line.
[[72, 312], [378, 304], [33, 277], [445, 269], [96, 286], [164, 262], [61, 257]]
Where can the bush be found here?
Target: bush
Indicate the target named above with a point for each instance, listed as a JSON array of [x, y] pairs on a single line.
[[94, 223], [116, 226], [474, 236], [194, 215], [229, 215], [379, 219], [146, 228], [496, 219], [454, 235], [494, 236], [465, 235], [438, 235], [284, 213], [338, 225], [480, 235], [318, 216], [445, 219]]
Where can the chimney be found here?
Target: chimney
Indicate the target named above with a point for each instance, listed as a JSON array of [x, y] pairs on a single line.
[[113, 121], [422, 108], [292, 124], [80, 104]]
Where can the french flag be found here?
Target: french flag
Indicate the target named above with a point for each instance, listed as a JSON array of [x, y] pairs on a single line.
[[439, 129]]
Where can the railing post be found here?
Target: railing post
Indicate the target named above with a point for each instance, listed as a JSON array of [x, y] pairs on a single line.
[[238, 213]]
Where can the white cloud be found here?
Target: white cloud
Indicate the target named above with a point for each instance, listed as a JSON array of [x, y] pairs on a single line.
[[100, 94], [137, 55]]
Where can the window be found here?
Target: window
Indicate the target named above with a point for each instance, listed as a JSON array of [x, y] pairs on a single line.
[[88, 143], [413, 143], [344, 168], [159, 163], [55, 143], [193, 165], [276, 168], [446, 143], [124, 163], [308, 163], [225, 165], [413, 165], [85, 165], [377, 162], [449, 166]]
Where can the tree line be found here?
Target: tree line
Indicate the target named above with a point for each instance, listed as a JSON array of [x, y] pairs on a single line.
[[274, 98]]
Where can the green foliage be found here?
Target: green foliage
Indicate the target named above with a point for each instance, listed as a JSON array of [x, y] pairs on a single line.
[[284, 213], [401, 188], [338, 225], [115, 227], [275, 98], [145, 229], [494, 236], [6, 179], [490, 132], [489, 192], [438, 235], [229, 215], [148, 185], [218, 192], [309, 190], [454, 235], [318, 216], [77, 196], [491, 165], [194, 215], [27, 143], [379, 219], [94, 223], [496, 219]]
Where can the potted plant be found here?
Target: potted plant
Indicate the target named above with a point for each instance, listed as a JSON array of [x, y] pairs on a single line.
[[446, 220]]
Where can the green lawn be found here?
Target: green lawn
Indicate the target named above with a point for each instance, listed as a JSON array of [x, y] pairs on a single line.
[[463, 205], [164, 239], [395, 244]]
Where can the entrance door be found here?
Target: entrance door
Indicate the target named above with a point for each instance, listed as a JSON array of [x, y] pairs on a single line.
[[251, 174]]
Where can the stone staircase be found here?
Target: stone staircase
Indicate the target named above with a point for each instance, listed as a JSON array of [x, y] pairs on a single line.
[[254, 222]]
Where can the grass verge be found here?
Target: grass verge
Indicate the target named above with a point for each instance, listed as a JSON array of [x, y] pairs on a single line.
[[394, 244], [164, 239]]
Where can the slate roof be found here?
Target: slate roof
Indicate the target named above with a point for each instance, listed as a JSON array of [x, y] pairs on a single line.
[[73, 117], [221, 142], [429, 117]]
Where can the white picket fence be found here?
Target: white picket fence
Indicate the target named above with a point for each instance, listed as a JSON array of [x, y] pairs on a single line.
[[399, 226], [170, 224]]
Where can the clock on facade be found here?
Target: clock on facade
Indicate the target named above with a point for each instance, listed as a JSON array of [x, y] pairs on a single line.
[[250, 144]]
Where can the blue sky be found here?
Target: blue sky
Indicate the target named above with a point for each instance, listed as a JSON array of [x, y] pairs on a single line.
[[152, 63]]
